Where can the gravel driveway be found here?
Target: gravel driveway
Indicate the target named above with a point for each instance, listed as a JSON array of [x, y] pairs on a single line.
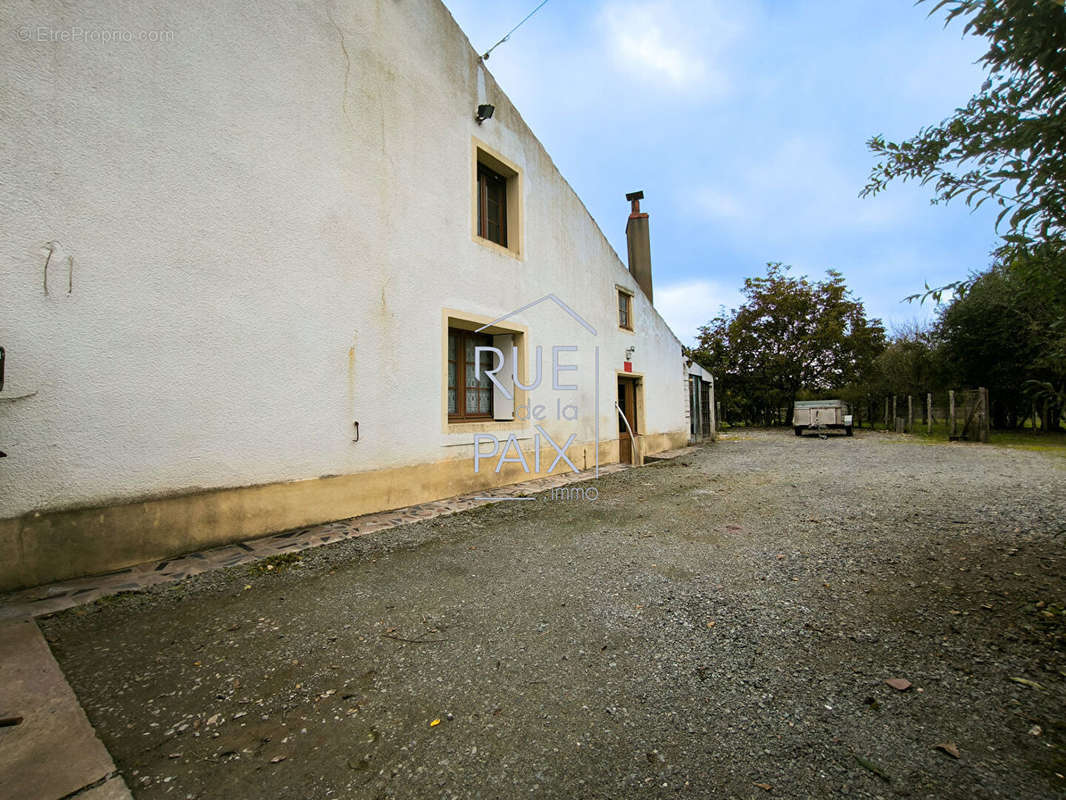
[[718, 626]]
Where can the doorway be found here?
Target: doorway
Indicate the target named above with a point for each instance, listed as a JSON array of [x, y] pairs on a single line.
[[627, 402]]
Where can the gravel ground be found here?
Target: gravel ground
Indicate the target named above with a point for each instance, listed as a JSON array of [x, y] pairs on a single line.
[[718, 626]]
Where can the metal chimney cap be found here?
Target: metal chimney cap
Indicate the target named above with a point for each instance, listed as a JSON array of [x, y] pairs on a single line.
[[635, 196]]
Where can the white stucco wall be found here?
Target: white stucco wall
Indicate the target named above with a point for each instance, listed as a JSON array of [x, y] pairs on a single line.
[[267, 213]]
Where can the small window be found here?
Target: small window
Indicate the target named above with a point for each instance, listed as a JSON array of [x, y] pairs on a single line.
[[469, 397], [625, 310], [491, 205], [496, 201]]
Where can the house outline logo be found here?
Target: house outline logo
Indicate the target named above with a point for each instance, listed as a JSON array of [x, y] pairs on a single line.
[[596, 371], [550, 296]]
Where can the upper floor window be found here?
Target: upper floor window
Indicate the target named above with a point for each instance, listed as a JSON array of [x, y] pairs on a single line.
[[491, 205], [469, 396], [625, 310], [496, 199]]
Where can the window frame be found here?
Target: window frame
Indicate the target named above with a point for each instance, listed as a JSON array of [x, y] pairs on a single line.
[[622, 293], [491, 182], [484, 160], [481, 340]]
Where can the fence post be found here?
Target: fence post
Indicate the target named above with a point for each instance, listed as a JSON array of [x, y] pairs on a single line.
[[886, 413], [895, 416], [986, 414], [951, 414], [929, 412], [910, 414]]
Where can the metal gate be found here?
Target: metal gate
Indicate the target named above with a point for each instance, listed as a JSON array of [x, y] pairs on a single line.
[[968, 415]]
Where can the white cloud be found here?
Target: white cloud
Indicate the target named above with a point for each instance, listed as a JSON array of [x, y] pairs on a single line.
[[679, 43], [718, 204], [689, 304], [799, 191]]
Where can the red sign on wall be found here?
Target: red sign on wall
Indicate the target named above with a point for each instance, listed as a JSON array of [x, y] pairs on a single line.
[[627, 366]]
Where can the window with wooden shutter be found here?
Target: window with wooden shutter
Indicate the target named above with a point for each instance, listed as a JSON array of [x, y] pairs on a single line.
[[469, 396]]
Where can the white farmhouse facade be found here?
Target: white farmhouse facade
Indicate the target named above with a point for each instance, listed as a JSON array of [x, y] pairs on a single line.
[[247, 259]]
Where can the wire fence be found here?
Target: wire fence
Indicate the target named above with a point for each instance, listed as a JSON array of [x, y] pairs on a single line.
[[963, 414]]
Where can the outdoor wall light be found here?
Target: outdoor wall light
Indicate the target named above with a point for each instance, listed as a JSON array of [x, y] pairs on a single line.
[[629, 353], [484, 112]]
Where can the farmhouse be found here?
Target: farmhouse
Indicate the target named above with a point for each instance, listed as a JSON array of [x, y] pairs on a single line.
[[256, 270]]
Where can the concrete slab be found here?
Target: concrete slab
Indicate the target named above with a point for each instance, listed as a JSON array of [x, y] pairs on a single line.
[[667, 455], [54, 751], [114, 789]]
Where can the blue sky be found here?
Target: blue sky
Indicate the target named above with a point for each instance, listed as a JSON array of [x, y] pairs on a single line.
[[745, 124]]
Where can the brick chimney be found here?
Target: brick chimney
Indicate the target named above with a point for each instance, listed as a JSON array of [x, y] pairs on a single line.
[[639, 244]]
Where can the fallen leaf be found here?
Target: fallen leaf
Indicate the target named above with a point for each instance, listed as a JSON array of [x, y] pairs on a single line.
[[949, 748], [874, 768], [277, 759], [899, 684], [247, 586], [764, 786], [1036, 730], [1029, 683], [434, 723], [710, 623]]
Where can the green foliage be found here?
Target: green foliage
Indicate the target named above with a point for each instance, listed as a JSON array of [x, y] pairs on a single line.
[[791, 334], [910, 364], [1008, 332], [1008, 143]]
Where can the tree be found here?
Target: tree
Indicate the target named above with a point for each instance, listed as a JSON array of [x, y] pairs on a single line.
[[910, 362], [791, 334], [1008, 333], [1008, 143]]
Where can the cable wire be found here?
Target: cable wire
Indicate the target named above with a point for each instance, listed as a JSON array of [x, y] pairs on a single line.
[[485, 55]]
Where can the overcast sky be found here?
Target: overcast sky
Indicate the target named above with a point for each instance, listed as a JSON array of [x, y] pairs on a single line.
[[745, 123]]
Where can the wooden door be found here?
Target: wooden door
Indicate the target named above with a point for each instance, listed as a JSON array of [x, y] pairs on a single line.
[[627, 401]]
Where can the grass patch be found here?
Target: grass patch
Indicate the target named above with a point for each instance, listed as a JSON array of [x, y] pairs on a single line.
[[1024, 439], [1054, 442]]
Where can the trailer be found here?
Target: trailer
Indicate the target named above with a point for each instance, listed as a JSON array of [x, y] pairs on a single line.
[[821, 415]]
